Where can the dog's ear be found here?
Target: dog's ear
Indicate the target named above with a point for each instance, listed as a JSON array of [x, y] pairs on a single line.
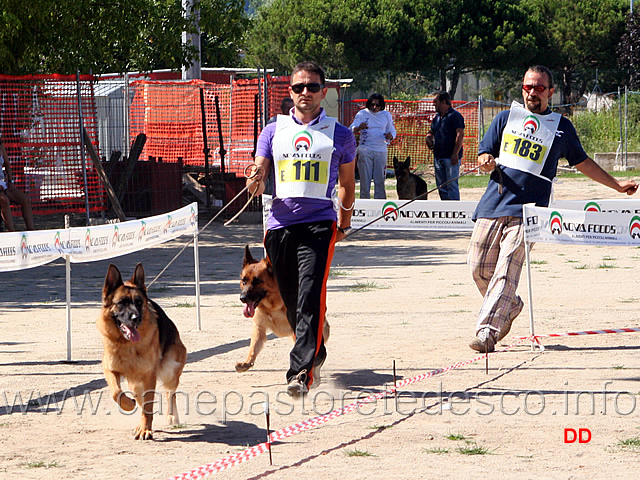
[[247, 257], [138, 278], [112, 281], [407, 162], [395, 162]]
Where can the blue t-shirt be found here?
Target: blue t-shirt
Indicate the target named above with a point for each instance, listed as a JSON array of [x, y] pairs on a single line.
[[444, 131], [290, 211], [520, 187]]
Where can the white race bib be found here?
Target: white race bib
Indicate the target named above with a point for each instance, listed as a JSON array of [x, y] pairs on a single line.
[[302, 157], [527, 139]]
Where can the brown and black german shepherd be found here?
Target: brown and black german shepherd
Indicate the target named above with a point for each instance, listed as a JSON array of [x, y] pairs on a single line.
[[263, 303], [409, 185], [141, 344]]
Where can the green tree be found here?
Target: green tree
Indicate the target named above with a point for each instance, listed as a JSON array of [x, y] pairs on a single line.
[[629, 49], [471, 35], [347, 35], [223, 24], [578, 36], [62, 36], [453, 37]]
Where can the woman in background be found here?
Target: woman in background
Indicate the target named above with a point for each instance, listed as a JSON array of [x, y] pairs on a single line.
[[376, 129]]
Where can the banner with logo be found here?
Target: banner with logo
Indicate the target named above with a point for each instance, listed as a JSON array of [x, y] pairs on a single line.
[[445, 215], [626, 205], [614, 223], [19, 250]]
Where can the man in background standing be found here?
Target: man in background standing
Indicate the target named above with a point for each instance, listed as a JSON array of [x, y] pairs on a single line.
[[445, 139]]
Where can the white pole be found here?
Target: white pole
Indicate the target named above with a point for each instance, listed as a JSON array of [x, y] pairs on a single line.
[[527, 247], [68, 289], [197, 273], [192, 13]]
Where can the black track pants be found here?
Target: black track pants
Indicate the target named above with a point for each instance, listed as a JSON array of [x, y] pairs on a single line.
[[301, 257]]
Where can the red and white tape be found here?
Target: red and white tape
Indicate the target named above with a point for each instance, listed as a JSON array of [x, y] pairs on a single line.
[[536, 338], [253, 452]]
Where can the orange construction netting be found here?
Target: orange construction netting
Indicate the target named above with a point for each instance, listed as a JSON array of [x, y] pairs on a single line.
[[40, 128]]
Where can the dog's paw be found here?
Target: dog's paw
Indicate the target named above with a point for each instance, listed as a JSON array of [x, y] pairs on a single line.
[[173, 420], [125, 402], [142, 433], [243, 366]]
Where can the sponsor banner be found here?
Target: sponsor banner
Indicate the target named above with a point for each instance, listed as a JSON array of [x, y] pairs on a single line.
[[592, 227], [19, 250], [445, 215], [606, 205]]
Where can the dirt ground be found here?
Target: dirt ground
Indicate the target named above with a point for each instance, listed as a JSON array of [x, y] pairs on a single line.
[[394, 298]]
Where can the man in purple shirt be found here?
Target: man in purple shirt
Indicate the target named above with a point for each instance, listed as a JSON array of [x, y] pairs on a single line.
[[308, 153]]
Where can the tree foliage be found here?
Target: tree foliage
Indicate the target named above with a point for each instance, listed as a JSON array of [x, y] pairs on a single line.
[[629, 49], [405, 35], [435, 39], [64, 36], [577, 36], [469, 35]]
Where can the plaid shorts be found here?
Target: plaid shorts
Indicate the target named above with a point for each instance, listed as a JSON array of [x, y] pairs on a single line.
[[496, 255]]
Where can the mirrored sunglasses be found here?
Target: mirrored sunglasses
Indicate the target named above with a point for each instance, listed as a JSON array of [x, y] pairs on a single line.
[[537, 88]]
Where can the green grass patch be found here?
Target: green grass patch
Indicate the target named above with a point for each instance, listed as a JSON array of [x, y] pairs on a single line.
[[538, 262], [338, 273], [379, 427], [185, 305], [629, 300], [437, 450], [365, 286], [581, 267], [473, 181], [455, 436], [607, 265], [42, 464], [630, 442], [618, 367], [358, 453], [474, 449]]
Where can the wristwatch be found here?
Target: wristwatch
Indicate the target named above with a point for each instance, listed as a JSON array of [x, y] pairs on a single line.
[[344, 230]]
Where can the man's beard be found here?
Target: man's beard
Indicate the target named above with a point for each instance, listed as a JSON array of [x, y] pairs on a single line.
[[534, 105]]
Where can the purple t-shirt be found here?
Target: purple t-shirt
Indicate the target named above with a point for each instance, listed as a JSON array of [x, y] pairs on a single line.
[[289, 211]]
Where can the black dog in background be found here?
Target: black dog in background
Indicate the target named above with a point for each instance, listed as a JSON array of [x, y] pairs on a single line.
[[409, 184]]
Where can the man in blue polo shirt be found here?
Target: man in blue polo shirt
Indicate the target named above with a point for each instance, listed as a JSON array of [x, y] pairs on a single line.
[[521, 149], [445, 139], [309, 153]]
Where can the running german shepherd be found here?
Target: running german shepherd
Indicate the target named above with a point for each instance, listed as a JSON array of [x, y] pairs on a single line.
[[263, 303], [409, 184], [141, 344]]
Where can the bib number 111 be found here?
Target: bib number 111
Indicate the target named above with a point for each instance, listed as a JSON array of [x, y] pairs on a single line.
[[305, 170]]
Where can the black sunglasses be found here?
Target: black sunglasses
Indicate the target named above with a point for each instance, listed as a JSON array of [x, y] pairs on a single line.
[[311, 87], [537, 88]]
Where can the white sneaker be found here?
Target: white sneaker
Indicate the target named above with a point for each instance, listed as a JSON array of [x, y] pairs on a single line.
[[485, 341]]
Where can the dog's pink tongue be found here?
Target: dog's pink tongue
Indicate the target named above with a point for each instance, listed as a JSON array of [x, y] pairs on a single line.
[[249, 310], [131, 333]]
